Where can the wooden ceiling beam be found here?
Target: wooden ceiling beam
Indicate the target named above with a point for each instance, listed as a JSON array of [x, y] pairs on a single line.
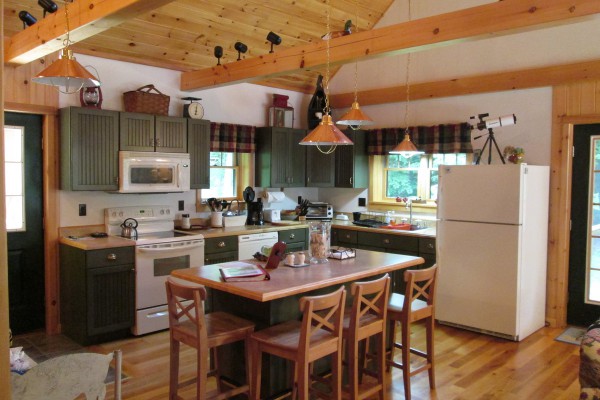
[[494, 19], [86, 18], [496, 82]]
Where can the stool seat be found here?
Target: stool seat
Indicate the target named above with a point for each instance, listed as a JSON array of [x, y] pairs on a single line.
[[396, 304], [221, 328]]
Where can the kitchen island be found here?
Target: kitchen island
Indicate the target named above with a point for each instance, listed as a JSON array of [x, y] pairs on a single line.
[[274, 301]]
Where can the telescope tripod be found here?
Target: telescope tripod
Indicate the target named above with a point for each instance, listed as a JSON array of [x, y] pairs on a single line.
[[488, 142]]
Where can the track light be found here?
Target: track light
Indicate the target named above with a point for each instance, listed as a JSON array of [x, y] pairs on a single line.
[[241, 48], [48, 6], [27, 19], [274, 38], [218, 54]]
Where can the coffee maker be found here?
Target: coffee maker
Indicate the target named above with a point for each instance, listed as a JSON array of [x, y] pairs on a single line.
[[255, 213]]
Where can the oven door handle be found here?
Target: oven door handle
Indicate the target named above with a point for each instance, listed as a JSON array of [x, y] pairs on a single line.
[[163, 249]]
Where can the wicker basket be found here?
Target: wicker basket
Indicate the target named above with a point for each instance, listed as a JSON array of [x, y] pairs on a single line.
[[142, 101]]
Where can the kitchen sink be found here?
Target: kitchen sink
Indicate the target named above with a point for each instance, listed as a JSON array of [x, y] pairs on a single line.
[[373, 223]]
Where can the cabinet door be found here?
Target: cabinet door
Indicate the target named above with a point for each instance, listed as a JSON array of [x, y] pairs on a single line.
[[320, 167], [280, 158], [89, 149], [110, 298], [217, 258], [352, 162], [171, 134], [136, 132], [296, 157], [198, 138]]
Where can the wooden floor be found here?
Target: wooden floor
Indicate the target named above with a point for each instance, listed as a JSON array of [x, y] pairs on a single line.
[[468, 366]]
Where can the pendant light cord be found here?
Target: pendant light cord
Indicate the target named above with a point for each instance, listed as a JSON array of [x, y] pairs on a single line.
[[407, 85], [327, 110]]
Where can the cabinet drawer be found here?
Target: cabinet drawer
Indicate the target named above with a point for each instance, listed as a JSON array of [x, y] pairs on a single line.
[[427, 246], [389, 242], [112, 256], [347, 236], [220, 244], [293, 235]]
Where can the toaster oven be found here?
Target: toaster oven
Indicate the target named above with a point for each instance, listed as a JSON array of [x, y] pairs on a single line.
[[319, 210]]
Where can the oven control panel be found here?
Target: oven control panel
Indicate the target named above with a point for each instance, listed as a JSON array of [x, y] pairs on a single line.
[[139, 213]]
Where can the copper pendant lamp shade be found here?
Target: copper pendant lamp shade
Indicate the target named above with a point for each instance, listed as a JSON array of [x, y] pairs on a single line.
[[355, 117], [66, 72], [406, 147], [326, 134]]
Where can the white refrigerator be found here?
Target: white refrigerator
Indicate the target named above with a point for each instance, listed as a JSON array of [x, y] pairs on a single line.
[[492, 235]]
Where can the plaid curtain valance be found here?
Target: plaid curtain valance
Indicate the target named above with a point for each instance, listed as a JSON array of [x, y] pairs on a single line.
[[437, 139], [232, 138]]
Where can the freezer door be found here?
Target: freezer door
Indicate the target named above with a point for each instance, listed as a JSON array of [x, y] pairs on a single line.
[[478, 276], [482, 193]]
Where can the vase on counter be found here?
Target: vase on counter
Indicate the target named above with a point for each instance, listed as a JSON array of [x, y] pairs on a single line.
[[319, 241]]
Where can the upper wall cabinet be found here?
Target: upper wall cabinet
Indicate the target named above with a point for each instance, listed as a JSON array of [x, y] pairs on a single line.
[[280, 160], [146, 132], [89, 149], [320, 167], [198, 143], [352, 162]]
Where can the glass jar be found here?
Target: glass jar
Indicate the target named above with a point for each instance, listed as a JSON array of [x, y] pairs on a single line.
[[319, 239]]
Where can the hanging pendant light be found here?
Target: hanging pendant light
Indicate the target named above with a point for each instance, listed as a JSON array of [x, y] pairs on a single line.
[[355, 118], [66, 71], [326, 133], [406, 147]]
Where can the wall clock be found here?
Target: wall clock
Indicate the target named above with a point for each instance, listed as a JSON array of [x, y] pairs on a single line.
[[194, 109]]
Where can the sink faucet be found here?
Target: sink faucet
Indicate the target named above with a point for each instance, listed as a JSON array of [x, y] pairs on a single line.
[[408, 203]]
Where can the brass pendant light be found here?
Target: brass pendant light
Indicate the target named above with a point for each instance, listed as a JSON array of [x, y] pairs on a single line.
[[66, 71], [406, 147], [355, 118], [326, 133]]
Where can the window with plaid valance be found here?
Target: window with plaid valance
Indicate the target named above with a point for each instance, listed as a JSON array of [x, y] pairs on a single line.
[[232, 138], [437, 139]]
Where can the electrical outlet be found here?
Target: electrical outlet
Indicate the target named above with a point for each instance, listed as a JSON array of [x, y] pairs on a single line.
[[362, 202], [82, 210], [181, 205]]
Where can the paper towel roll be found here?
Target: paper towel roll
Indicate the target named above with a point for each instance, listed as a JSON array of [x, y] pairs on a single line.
[[272, 197]]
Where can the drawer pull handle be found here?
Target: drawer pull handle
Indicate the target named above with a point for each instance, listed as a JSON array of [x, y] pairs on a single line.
[[347, 236], [221, 244], [292, 236], [430, 245], [386, 241], [111, 256]]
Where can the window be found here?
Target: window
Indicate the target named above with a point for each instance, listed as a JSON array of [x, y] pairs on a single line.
[[14, 185], [416, 176], [224, 174]]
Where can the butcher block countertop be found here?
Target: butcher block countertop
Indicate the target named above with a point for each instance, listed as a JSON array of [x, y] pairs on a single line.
[[286, 281]]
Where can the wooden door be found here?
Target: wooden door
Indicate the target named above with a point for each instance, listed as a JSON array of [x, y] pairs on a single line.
[[583, 306], [198, 137], [319, 168], [136, 132], [296, 157], [171, 134], [24, 223]]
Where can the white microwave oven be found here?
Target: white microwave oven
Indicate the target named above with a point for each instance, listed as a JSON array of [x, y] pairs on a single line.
[[148, 172]]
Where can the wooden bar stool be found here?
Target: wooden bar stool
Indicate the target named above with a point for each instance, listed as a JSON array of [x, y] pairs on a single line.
[[318, 334], [367, 319], [205, 332], [418, 303]]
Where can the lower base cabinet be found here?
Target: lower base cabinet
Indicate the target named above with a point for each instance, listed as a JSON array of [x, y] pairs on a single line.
[[97, 293], [295, 239]]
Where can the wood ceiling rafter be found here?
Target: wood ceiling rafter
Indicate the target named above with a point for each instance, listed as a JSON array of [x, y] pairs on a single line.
[[495, 82], [500, 18], [86, 18]]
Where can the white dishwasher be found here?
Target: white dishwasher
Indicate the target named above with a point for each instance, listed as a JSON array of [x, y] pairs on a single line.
[[252, 243]]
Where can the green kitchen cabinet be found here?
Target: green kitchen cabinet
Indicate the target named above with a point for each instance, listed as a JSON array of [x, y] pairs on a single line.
[[352, 162], [89, 149], [295, 239], [198, 144], [320, 168], [147, 132], [280, 160], [220, 249], [97, 293]]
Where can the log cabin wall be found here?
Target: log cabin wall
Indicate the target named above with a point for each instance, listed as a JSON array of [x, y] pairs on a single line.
[[575, 103]]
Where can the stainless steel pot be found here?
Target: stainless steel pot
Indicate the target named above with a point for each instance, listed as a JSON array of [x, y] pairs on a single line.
[[129, 228]]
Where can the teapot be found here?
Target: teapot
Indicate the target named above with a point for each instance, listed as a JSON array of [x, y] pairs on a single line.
[[128, 228]]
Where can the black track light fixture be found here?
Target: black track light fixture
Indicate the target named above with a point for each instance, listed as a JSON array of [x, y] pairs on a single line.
[[218, 54], [27, 19], [48, 6], [241, 48], [274, 38]]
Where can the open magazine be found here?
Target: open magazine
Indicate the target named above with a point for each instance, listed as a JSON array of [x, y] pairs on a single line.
[[239, 271]]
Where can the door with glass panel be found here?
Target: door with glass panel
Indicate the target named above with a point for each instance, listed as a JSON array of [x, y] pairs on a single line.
[[24, 220], [584, 253]]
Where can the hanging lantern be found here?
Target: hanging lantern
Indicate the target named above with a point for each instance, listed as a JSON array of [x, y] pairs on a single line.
[[280, 114]]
